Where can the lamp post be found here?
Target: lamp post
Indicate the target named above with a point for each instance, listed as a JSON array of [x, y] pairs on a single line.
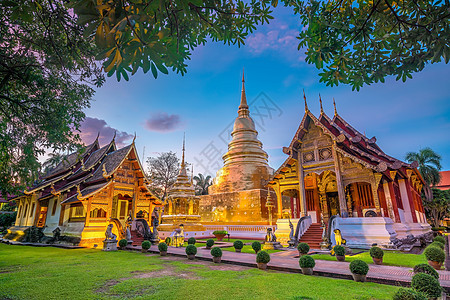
[[269, 205]]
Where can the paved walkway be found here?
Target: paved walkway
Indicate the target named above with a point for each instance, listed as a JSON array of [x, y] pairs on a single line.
[[287, 261]]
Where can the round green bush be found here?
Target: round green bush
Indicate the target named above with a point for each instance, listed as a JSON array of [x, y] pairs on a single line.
[[209, 243], [426, 284], [220, 232], [434, 254], [303, 248], [427, 269], [191, 250], [238, 244], [191, 241], [216, 252], [359, 267], [409, 294], [123, 243], [439, 239], [256, 246], [339, 250], [437, 244], [376, 252], [162, 247], [146, 245], [306, 261], [262, 257]]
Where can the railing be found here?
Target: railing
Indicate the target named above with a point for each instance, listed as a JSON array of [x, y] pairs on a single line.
[[239, 228], [302, 225], [119, 227]]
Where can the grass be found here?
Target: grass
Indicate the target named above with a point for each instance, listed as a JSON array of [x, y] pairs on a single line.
[[390, 258], [249, 249], [53, 273], [233, 240]]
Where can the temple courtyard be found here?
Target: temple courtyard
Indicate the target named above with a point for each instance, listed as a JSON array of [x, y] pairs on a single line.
[[92, 274]]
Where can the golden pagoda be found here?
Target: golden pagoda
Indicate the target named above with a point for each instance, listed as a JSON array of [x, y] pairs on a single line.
[[238, 193]]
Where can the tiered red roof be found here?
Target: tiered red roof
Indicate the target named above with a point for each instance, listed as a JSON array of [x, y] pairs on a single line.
[[444, 184]]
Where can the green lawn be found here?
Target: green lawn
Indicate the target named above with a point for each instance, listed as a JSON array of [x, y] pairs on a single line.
[[249, 249], [390, 258], [53, 273]]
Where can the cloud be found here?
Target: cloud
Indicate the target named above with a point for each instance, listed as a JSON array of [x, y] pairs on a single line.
[[92, 126], [163, 122]]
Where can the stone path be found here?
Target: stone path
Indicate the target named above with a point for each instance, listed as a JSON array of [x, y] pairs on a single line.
[[287, 261]]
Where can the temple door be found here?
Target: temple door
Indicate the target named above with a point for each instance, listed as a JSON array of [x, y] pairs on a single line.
[[122, 211], [333, 203]]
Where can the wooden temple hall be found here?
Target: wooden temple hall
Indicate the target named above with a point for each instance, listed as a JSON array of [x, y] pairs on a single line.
[[332, 169], [85, 193]]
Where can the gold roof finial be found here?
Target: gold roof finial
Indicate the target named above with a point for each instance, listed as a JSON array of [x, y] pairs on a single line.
[[321, 107], [182, 157], [306, 104], [335, 110], [114, 137], [243, 105], [105, 173], [134, 139]]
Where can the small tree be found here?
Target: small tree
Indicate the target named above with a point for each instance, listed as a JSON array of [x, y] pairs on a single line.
[[163, 171], [201, 184]]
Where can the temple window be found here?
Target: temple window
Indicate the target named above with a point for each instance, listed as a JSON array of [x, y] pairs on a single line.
[[309, 199], [32, 209], [77, 214], [55, 204], [98, 213], [365, 194]]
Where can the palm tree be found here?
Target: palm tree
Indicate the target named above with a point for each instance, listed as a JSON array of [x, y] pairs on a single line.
[[429, 167], [53, 160], [201, 184]]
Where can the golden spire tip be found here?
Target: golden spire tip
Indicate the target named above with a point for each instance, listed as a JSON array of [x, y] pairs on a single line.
[[335, 110], [304, 98], [321, 107]]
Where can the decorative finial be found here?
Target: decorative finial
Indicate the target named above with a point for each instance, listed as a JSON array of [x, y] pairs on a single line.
[[182, 157], [306, 104], [134, 139], [79, 191], [335, 110], [105, 173], [243, 106], [98, 135], [83, 167], [321, 107], [114, 137]]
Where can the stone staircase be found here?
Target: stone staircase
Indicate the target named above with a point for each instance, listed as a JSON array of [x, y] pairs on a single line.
[[312, 236], [136, 238]]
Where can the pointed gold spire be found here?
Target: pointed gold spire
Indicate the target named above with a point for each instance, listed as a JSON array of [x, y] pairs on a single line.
[[243, 107], [335, 110], [134, 139], [306, 104], [183, 165], [321, 107]]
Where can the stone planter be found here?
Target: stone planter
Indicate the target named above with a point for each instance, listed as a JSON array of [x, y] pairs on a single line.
[[163, 253], [217, 259], [359, 277], [262, 266], [436, 265], [377, 261], [237, 250], [340, 257], [220, 236], [191, 256], [307, 271]]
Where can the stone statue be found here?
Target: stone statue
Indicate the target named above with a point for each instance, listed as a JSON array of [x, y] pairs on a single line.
[[109, 234], [270, 237], [291, 241], [178, 236], [128, 234], [56, 234], [338, 237], [271, 241], [110, 242], [155, 234]]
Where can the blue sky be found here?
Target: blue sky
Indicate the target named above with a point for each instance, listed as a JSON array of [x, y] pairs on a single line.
[[403, 116]]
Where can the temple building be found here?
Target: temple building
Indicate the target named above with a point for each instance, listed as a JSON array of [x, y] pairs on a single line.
[[334, 170], [239, 192], [85, 193]]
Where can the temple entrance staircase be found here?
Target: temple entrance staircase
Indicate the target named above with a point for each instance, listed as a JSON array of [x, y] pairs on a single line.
[[136, 238], [312, 236]]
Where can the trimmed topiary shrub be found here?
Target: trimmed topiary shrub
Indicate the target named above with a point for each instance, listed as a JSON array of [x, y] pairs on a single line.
[[437, 245], [216, 252], [256, 246], [220, 232], [123, 243], [376, 252], [426, 284], [303, 248], [262, 257], [209, 243], [439, 239], [191, 241], [191, 250], [409, 294], [306, 261], [427, 269], [434, 254], [238, 244], [162, 247], [339, 250], [146, 245], [359, 267]]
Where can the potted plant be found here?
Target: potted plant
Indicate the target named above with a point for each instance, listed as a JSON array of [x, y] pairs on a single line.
[[424, 268], [216, 253], [408, 294], [123, 244], [262, 259], [191, 250], [439, 239], [377, 255], [339, 251], [162, 247], [238, 245], [256, 246], [191, 241], [359, 270], [220, 234], [209, 243], [427, 284], [437, 244], [145, 246], [307, 264], [303, 249], [435, 256]]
